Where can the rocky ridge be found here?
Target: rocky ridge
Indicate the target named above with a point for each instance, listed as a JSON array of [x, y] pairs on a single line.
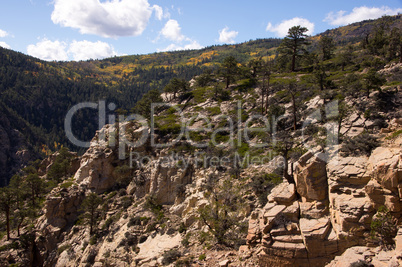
[[333, 211], [326, 212]]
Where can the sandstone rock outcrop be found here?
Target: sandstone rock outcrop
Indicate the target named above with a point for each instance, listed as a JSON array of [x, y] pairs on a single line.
[[61, 211], [329, 210], [96, 168], [371, 256]]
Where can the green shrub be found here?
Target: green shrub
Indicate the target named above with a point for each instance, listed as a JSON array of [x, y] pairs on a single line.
[[199, 94], [123, 175], [361, 263], [106, 254], [214, 110], [152, 204], [184, 262], [108, 222], [112, 194], [185, 242], [263, 184], [203, 237], [165, 129], [126, 202], [182, 228], [134, 221], [84, 245], [361, 144], [394, 135], [63, 248], [245, 85], [67, 184], [203, 79], [151, 227], [93, 240], [128, 241], [170, 256], [202, 257], [384, 228]]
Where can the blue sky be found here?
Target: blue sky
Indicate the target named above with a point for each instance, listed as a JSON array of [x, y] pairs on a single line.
[[83, 29]]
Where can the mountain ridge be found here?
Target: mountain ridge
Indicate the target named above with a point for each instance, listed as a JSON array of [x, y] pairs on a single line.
[[41, 92]]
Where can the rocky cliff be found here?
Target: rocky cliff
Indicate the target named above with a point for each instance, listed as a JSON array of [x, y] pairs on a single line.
[[329, 209], [303, 203]]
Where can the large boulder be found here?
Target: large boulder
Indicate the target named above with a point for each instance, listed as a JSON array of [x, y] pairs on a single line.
[[385, 165], [96, 168], [283, 194], [61, 211], [337, 202], [61, 207], [311, 178], [350, 208], [165, 181]]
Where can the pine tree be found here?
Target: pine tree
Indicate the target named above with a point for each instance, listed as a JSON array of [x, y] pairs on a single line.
[[20, 191], [7, 200], [35, 185], [176, 86], [283, 146], [327, 47], [294, 44], [373, 81], [229, 70], [91, 212]]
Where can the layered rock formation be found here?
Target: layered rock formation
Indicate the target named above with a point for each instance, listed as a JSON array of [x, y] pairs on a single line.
[[96, 173], [329, 209]]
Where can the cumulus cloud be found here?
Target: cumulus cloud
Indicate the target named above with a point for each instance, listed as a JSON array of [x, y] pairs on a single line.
[[3, 33], [84, 50], [172, 31], [158, 12], [175, 47], [281, 29], [77, 50], [5, 45], [108, 19], [358, 14], [48, 50], [226, 36]]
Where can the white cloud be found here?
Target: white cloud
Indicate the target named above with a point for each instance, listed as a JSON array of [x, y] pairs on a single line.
[[77, 50], [358, 14], [3, 33], [175, 47], [48, 50], [84, 50], [4, 45], [281, 29], [158, 12], [172, 31], [108, 19], [226, 36]]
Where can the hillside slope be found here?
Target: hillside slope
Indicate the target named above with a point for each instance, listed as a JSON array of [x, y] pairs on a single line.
[[41, 92], [243, 164]]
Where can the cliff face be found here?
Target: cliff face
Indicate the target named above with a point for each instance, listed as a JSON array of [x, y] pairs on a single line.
[[159, 208], [58, 227], [328, 210], [333, 211]]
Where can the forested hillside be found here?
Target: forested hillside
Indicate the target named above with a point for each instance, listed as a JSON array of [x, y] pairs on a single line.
[[35, 95], [267, 153]]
